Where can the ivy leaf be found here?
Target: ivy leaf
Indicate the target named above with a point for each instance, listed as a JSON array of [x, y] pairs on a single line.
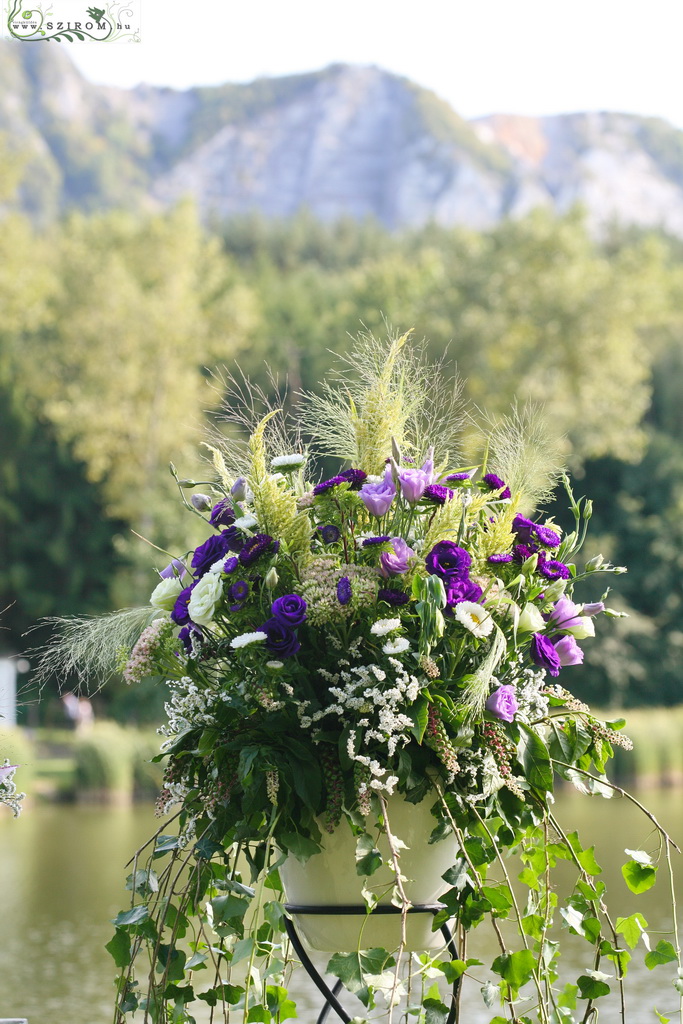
[[663, 953], [489, 993], [227, 907], [229, 993], [535, 759], [134, 916], [592, 988], [301, 847], [435, 1011], [119, 948], [351, 969], [368, 857], [631, 928], [515, 968], [661, 1018], [639, 877]]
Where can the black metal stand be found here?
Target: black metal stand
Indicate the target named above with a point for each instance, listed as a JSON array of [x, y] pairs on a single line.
[[330, 994]]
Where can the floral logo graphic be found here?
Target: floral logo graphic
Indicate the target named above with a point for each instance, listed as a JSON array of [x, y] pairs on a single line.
[[70, 20]]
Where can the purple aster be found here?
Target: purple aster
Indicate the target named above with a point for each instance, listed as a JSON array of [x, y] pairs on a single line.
[[354, 477], [523, 551], [393, 597], [230, 564], [222, 514], [501, 559], [180, 615], [369, 541], [290, 610], [438, 494], [547, 536], [553, 570], [494, 483], [206, 554], [327, 485], [377, 497], [568, 651], [239, 591], [329, 534], [544, 655], [254, 548], [344, 590], [281, 639], [447, 561], [174, 568], [503, 703], [396, 561]]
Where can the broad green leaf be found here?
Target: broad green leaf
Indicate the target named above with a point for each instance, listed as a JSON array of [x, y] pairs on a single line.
[[259, 1014], [419, 713], [631, 928], [172, 962], [567, 997], [661, 1018], [134, 916], [535, 759], [515, 968], [299, 846], [663, 953], [435, 1011], [368, 857], [231, 994], [227, 907], [591, 988], [196, 962], [585, 857], [352, 968], [453, 970], [498, 896], [119, 948], [639, 877]]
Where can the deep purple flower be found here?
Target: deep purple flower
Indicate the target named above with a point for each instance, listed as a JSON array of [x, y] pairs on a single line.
[[547, 536], [174, 568], [354, 477], [528, 532], [254, 547], [330, 534], [230, 564], [553, 570], [447, 561], [457, 477], [290, 610], [180, 615], [377, 497], [544, 655], [233, 539], [523, 551], [458, 590], [438, 494], [327, 485], [222, 514], [239, 591], [568, 651], [369, 541], [524, 528], [494, 483], [393, 597], [281, 639], [344, 590], [186, 635], [212, 550], [501, 559], [503, 703], [395, 562]]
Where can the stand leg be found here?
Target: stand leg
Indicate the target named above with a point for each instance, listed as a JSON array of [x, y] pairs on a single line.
[[329, 994], [453, 950]]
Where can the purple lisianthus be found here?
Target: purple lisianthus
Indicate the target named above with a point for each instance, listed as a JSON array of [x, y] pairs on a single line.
[[565, 614], [377, 497], [344, 590], [290, 610], [180, 615], [174, 568], [368, 542], [329, 534], [222, 514], [500, 559], [327, 485], [211, 551], [354, 477], [568, 651], [395, 562], [413, 483], [553, 570], [503, 703], [438, 494], [281, 639], [447, 561], [524, 528], [593, 608], [233, 539], [186, 636], [494, 483], [544, 655], [458, 590], [254, 547], [393, 597]]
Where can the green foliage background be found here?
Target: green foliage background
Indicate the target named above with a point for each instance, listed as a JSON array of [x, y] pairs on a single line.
[[110, 327]]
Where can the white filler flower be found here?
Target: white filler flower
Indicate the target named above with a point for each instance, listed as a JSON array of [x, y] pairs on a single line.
[[288, 463], [397, 646], [384, 626], [244, 639], [473, 617], [204, 598]]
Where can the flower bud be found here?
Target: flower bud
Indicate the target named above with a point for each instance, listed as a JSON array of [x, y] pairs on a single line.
[[202, 502], [271, 578], [594, 563], [555, 590], [587, 509], [530, 620], [395, 450], [239, 489], [186, 483]]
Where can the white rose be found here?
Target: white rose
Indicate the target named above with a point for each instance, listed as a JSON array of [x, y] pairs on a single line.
[[164, 596], [204, 598]]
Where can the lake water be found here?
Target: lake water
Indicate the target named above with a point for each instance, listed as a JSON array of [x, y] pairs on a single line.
[[62, 879]]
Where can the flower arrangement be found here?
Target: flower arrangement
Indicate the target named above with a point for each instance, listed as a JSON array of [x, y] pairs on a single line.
[[407, 625]]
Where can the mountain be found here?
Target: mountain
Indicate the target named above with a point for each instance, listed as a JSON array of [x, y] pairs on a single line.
[[346, 140]]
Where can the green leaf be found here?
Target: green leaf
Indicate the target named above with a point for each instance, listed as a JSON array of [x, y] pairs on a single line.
[[631, 928], [259, 1014], [663, 953], [368, 857], [489, 993], [499, 897], [231, 994], [435, 1011], [639, 877], [300, 846], [227, 907], [535, 759], [134, 916], [172, 961], [419, 713], [453, 970], [661, 1018], [515, 968], [590, 988], [119, 948], [351, 969], [196, 962], [586, 858]]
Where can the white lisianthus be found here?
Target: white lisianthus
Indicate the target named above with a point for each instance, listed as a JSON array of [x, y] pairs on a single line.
[[288, 463], [585, 627], [384, 626], [396, 646], [474, 617], [530, 620], [165, 594], [244, 639], [204, 599]]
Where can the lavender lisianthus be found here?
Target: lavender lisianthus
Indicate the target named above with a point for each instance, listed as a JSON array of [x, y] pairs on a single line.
[[565, 614], [290, 610], [254, 547], [568, 651], [448, 561], [503, 703], [413, 483], [282, 640], [524, 528], [222, 514], [377, 497], [593, 608], [344, 590], [174, 568], [233, 539], [396, 561], [544, 655]]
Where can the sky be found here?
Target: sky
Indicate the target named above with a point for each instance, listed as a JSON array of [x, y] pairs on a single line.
[[482, 56]]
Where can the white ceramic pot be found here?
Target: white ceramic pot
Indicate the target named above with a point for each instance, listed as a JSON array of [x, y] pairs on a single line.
[[329, 878]]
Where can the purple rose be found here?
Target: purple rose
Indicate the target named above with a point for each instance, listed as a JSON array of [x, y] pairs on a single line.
[[503, 703], [447, 561], [206, 554], [253, 548], [180, 615], [395, 598], [395, 562], [544, 655], [568, 651], [222, 514], [377, 497], [494, 483], [290, 610], [281, 639], [344, 590]]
